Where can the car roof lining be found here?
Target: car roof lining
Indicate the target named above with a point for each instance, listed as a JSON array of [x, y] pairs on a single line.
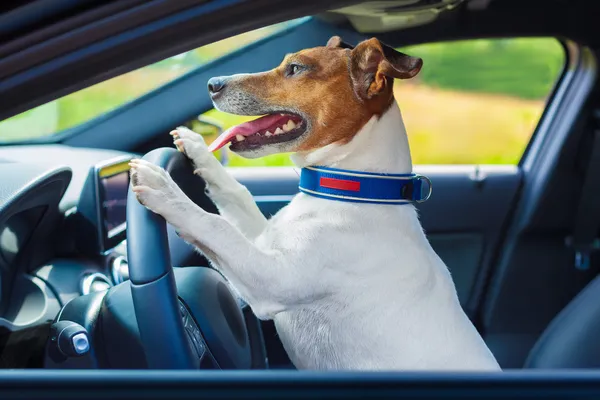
[[19, 17]]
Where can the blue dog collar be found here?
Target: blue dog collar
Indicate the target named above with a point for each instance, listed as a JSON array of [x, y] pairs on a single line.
[[364, 187]]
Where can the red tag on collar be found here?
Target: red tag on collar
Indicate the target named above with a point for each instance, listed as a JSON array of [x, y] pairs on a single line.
[[340, 184]]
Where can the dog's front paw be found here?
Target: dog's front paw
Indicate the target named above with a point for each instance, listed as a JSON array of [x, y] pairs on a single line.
[[154, 187], [192, 145]]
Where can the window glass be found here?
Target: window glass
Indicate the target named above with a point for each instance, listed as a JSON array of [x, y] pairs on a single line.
[[474, 102], [478, 101], [86, 104]]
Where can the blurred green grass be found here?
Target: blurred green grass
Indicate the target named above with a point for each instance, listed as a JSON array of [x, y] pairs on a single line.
[[521, 69], [526, 68]]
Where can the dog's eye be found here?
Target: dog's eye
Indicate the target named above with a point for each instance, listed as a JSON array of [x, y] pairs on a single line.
[[294, 69]]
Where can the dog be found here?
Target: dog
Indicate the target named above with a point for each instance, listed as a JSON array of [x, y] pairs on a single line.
[[350, 285]]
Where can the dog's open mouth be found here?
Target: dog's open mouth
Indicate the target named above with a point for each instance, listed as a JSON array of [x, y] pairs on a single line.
[[270, 129]]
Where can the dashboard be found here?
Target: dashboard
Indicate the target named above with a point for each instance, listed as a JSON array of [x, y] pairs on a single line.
[[63, 229]]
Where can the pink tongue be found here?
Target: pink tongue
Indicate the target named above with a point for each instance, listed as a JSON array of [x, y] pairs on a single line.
[[248, 128]]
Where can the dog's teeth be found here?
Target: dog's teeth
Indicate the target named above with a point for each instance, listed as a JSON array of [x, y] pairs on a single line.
[[289, 126], [278, 131], [240, 138], [267, 133]]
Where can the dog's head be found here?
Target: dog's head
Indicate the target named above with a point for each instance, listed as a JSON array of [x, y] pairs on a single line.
[[313, 98]]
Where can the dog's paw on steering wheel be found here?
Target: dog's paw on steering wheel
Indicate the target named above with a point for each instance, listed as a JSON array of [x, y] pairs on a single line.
[[192, 145], [155, 189]]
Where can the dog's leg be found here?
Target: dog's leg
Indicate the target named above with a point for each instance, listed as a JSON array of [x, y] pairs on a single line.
[[263, 277], [234, 201]]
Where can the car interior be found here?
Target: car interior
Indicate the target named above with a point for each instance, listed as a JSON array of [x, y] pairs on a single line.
[[90, 280]]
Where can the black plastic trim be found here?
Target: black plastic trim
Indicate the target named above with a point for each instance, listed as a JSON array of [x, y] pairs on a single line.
[[296, 385]]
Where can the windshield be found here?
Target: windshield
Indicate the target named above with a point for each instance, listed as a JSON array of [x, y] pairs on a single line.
[[84, 105]]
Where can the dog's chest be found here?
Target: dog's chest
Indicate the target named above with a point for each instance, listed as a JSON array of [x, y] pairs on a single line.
[[340, 332], [322, 229], [307, 337], [324, 336]]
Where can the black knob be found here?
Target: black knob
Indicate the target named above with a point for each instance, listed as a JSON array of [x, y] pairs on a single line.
[[70, 339]]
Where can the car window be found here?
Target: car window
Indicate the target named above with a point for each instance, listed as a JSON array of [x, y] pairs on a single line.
[[478, 101], [474, 102], [86, 104]]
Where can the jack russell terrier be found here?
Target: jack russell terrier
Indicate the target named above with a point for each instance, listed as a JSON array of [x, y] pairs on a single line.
[[345, 270]]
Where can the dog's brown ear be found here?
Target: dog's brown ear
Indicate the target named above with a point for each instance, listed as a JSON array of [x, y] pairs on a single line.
[[336, 41], [374, 65]]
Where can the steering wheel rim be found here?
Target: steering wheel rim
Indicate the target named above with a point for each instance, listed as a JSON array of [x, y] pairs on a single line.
[[152, 278], [153, 283]]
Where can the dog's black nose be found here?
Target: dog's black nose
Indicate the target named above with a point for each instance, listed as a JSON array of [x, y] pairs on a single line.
[[216, 84]]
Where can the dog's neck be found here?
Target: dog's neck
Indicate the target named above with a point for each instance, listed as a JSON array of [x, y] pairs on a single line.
[[381, 145]]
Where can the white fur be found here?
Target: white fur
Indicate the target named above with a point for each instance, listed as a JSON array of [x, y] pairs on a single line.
[[349, 286]]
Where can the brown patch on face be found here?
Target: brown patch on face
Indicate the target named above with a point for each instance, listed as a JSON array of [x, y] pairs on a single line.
[[338, 88]]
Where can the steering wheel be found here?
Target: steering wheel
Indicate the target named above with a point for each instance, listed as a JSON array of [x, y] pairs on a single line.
[[184, 314]]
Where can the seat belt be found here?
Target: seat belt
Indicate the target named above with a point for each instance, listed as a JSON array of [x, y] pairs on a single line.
[[587, 221]]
